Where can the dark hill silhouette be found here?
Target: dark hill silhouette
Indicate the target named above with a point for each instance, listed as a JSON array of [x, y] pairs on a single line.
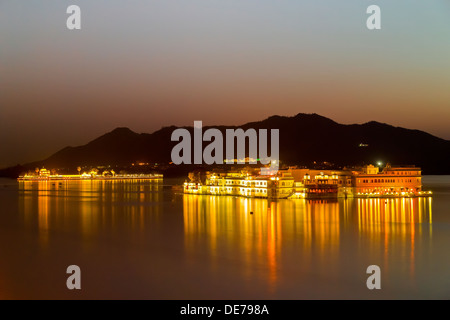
[[304, 138]]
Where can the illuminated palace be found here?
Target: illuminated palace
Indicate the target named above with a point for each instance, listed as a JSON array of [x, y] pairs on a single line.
[[45, 174], [242, 184], [368, 181]]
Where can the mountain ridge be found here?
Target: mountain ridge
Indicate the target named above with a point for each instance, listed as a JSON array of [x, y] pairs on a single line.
[[304, 139]]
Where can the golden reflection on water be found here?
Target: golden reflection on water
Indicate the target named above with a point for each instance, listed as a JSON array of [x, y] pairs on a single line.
[[313, 227], [393, 216], [261, 228], [91, 204], [396, 220], [260, 239]]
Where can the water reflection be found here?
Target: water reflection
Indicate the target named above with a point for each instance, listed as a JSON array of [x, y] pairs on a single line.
[[393, 216], [88, 205], [284, 249], [396, 223], [265, 234]]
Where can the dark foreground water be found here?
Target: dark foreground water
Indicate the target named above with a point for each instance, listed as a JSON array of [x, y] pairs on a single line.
[[143, 241]]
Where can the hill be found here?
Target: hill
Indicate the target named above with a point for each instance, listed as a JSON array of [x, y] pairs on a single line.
[[304, 139]]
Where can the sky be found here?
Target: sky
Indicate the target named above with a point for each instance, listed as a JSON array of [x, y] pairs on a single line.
[[145, 64]]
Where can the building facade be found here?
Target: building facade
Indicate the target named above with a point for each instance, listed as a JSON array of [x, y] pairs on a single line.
[[391, 181], [367, 181], [243, 184]]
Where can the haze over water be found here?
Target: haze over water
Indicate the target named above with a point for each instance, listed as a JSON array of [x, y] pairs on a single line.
[[141, 240]]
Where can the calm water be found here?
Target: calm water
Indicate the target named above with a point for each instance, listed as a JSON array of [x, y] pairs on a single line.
[[143, 241]]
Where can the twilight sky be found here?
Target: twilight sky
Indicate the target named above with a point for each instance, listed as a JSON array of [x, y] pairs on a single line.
[[145, 64]]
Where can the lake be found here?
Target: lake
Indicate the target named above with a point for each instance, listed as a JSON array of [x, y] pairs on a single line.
[[141, 240]]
